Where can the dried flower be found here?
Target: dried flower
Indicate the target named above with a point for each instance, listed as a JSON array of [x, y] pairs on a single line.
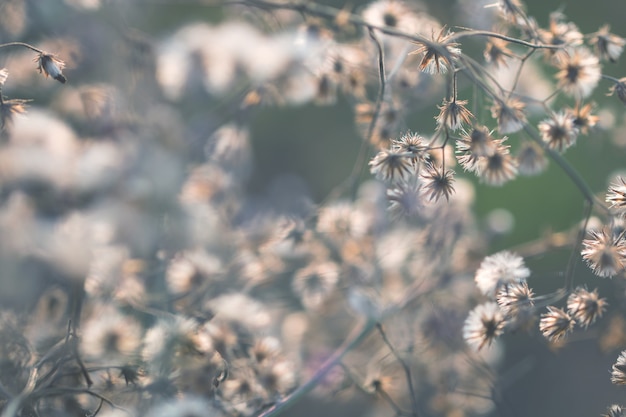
[[454, 114], [392, 165], [555, 324], [172, 342], [405, 200], [483, 324], [583, 117], [111, 337], [559, 132], [390, 13], [439, 54], [437, 182], [619, 88], [498, 270], [510, 115], [531, 159], [510, 9], [50, 65], [608, 46], [473, 146], [604, 252], [560, 33], [9, 108], [616, 195], [315, 283], [579, 72], [618, 371], [585, 307], [515, 298], [497, 168], [412, 144], [4, 74], [615, 411], [496, 52]]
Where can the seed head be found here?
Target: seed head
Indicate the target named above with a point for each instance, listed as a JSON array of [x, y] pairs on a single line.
[[608, 46], [616, 195], [483, 324], [555, 324], [604, 252], [618, 372], [50, 65], [559, 132], [585, 307]]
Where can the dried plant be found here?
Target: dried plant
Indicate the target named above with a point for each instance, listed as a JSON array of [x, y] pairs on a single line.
[[144, 273]]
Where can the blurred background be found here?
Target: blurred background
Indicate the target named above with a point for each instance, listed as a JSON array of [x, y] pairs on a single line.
[[306, 150]]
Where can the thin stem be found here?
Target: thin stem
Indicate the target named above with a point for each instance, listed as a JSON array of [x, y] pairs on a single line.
[[22, 44], [405, 366], [569, 272], [355, 338], [472, 32], [363, 149], [518, 73]]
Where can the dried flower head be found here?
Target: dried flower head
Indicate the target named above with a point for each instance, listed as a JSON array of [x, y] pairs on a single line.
[[605, 252], [555, 324], [4, 74], [615, 411], [560, 33], [498, 270], [483, 324], [438, 182], [583, 117], [413, 144], [405, 200], [315, 283], [510, 10], [497, 168], [50, 65], [579, 72], [585, 307], [515, 298], [172, 342], [619, 88], [608, 46], [471, 147], [531, 159], [454, 114], [9, 108], [509, 114], [438, 54], [616, 195], [111, 337], [392, 165], [496, 52], [618, 371], [559, 132], [390, 13]]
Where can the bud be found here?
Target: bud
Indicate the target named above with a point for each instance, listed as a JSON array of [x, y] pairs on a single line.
[[52, 66]]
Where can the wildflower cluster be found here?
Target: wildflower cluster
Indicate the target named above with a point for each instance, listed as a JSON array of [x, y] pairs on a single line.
[[145, 273]]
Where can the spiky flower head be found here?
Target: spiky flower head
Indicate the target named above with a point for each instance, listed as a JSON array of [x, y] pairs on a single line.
[[555, 324], [483, 324], [52, 66], [604, 252], [498, 270], [585, 307]]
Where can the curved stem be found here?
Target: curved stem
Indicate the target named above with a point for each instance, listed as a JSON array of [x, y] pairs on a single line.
[[22, 44], [356, 337], [473, 32]]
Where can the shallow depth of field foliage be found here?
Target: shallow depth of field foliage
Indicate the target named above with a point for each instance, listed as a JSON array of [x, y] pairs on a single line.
[[286, 207]]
